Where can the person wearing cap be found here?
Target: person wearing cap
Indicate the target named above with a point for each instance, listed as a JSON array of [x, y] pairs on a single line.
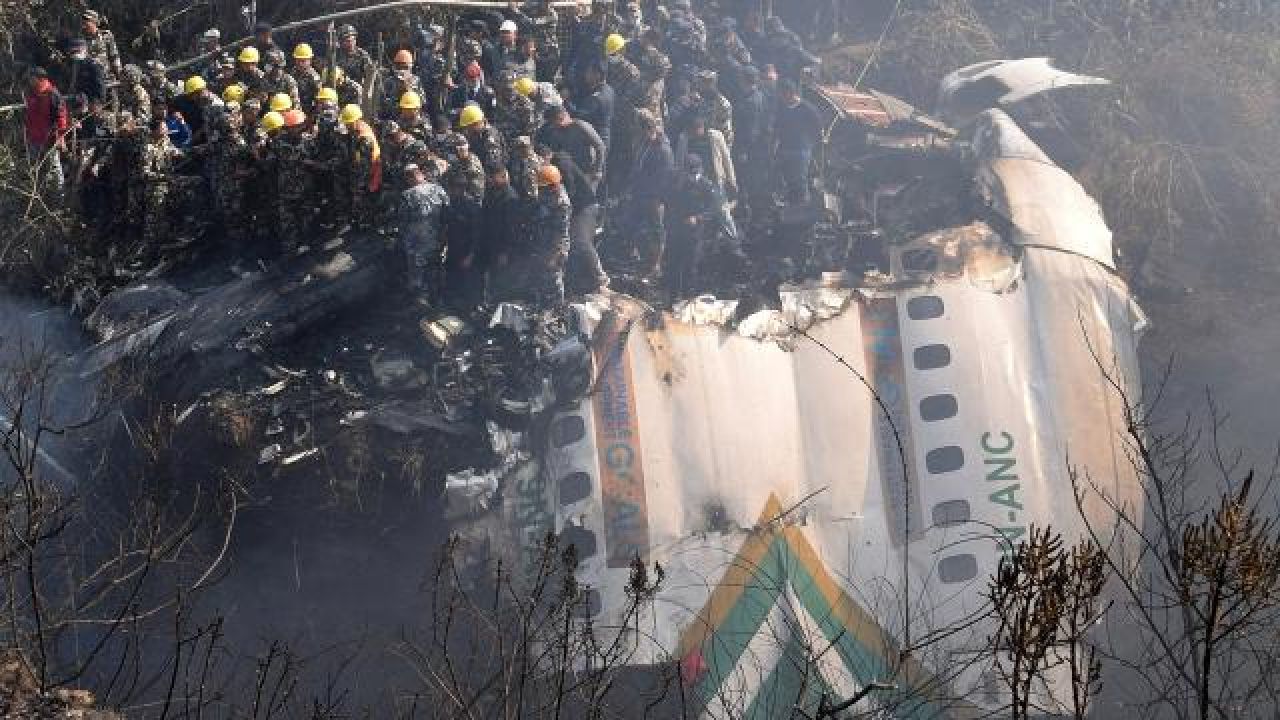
[[277, 80], [420, 214], [263, 41], [485, 140], [473, 90], [100, 43], [409, 116], [399, 149], [549, 233], [539, 24], [349, 91], [433, 66], [514, 114], [523, 168], [504, 51], [85, 75], [191, 109], [329, 170], [209, 41], [354, 60], [248, 73], [398, 83], [304, 73], [290, 153], [366, 166]]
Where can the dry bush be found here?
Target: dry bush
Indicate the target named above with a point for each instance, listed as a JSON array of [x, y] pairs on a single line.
[[1173, 149]]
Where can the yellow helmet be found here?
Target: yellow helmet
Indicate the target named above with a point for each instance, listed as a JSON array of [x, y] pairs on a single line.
[[280, 102], [411, 101], [350, 115], [272, 121], [302, 51], [194, 84], [335, 75], [248, 55], [471, 115], [614, 43], [233, 93], [327, 94], [524, 86]]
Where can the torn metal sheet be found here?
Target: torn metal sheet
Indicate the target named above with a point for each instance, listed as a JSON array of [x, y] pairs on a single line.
[[1045, 205], [967, 92], [793, 473]]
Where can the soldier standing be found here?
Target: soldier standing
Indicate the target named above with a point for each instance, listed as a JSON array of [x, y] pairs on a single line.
[[515, 114], [550, 238], [101, 44], [229, 162], [291, 150], [133, 96], [366, 166], [277, 80], [353, 60], [484, 140], [421, 212], [157, 160], [305, 76]]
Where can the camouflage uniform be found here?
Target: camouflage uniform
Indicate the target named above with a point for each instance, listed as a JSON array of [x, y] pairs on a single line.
[[524, 174], [396, 85], [465, 180], [228, 162], [515, 115], [290, 154], [366, 174], [157, 160], [626, 81], [279, 81], [396, 157], [550, 240], [719, 113], [654, 67], [421, 211], [102, 47], [486, 143], [253, 79], [357, 65], [307, 81], [133, 96], [331, 170]]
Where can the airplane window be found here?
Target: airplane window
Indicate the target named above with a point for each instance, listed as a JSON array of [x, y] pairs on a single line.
[[581, 538], [944, 459], [574, 487], [957, 568], [931, 357], [925, 307], [567, 430], [952, 512], [938, 407]]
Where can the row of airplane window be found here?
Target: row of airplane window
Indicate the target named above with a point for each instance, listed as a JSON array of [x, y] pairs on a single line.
[[959, 567]]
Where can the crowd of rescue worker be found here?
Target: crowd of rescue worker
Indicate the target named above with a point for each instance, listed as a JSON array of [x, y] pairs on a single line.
[[491, 150]]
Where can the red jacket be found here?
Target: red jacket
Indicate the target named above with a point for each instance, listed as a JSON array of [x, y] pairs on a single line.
[[46, 118]]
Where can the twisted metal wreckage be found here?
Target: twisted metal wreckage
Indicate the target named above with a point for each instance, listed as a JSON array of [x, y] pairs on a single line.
[[844, 469]]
